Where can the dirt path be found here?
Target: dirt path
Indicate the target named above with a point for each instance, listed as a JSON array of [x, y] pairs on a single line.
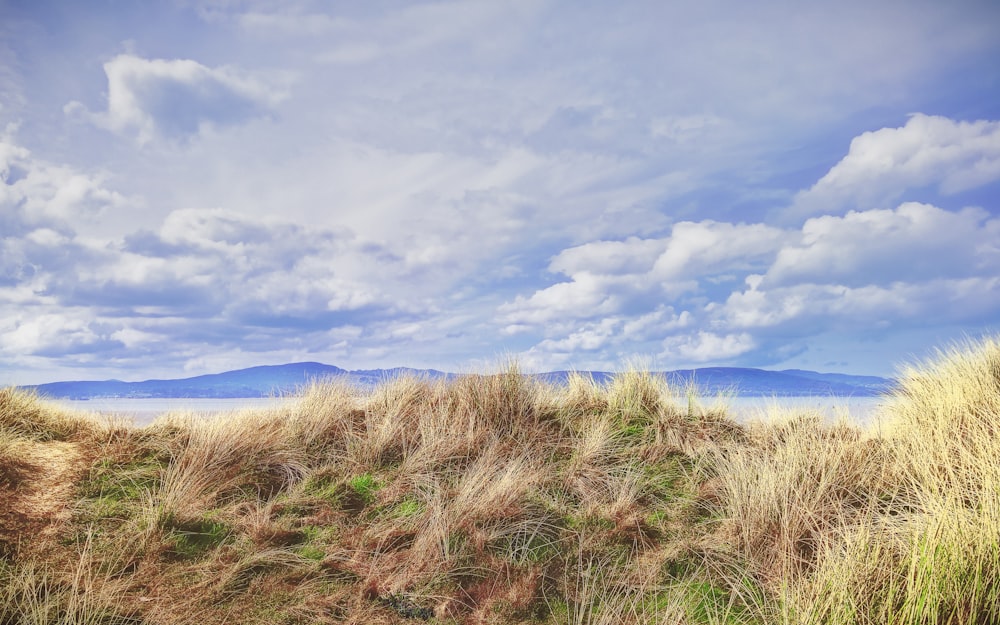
[[37, 501]]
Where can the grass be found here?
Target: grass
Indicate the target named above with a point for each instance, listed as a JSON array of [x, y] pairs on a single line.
[[496, 499]]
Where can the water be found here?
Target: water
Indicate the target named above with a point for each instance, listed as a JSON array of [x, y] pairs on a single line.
[[860, 410], [144, 411]]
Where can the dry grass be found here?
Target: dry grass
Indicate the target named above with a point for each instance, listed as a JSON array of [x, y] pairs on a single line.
[[928, 550], [789, 486], [32, 593], [11, 449], [26, 415], [497, 499]]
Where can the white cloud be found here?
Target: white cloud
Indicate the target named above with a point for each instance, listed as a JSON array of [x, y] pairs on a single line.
[[868, 271], [291, 24], [807, 309], [913, 242], [916, 264], [132, 338], [177, 98], [655, 324], [585, 296], [884, 164], [607, 277], [250, 268], [590, 338], [56, 333], [706, 346], [35, 193], [618, 330], [304, 293], [685, 128], [704, 248], [633, 255]]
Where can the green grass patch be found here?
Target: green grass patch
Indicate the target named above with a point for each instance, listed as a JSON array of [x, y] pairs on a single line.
[[588, 522], [407, 508], [365, 486], [124, 481], [311, 552], [193, 539], [708, 603], [324, 485]]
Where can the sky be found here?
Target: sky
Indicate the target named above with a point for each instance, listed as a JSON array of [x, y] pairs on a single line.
[[195, 186]]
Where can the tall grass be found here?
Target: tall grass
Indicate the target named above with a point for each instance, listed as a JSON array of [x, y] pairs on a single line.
[[791, 485], [32, 593], [498, 499], [929, 549], [217, 461], [26, 415]]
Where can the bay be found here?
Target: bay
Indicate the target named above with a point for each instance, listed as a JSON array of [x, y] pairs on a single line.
[[145, 410]]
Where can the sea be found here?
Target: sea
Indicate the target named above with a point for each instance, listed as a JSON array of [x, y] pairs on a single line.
[[863, 411]]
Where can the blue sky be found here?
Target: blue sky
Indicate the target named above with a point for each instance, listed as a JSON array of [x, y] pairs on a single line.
[[202, 185]]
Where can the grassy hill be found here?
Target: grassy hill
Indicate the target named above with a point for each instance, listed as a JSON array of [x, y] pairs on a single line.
[[499, 499]]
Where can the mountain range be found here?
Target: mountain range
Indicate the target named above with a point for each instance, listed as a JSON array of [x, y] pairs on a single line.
[[288, 379]]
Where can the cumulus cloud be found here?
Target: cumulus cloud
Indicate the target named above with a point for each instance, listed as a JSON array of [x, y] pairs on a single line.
[[703, 346], [203, 276], [56, 334], [867, 272], [586, 296], [257, 271], [41, 205], [176, 98], [632, 255], [613, 276], [35, 193], [806, 309], [928, 151], [618, 330], [761, 291], [699, 249], [913, 242], [862, 273]]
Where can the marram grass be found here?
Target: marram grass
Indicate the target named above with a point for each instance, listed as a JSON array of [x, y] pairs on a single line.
[[496, 499]]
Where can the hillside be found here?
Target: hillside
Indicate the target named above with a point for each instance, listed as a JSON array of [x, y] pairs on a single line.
[[499, 499]]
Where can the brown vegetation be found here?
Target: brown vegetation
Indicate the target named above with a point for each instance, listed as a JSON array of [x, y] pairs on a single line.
[[494, 499]]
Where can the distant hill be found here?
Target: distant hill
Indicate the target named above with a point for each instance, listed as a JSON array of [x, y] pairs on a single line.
[[749, 382], [288, 379]]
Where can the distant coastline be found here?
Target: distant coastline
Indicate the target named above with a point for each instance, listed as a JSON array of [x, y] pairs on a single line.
[[290, 379]]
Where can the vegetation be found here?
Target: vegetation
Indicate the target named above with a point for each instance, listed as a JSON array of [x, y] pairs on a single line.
[[493, 499]]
